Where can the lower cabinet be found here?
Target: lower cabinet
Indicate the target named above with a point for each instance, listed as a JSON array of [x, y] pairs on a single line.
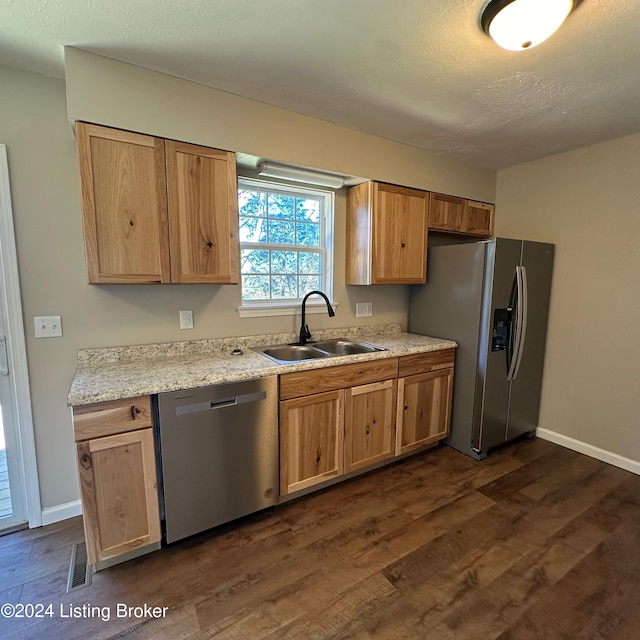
[[311, 440], [424, 409], [369, 424], [118, 484], [344, 418], [425, 393]]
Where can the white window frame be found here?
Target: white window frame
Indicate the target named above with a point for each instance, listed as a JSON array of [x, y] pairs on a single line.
[[289, 307]]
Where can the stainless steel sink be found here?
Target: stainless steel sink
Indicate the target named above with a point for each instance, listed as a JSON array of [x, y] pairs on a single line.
[[293, 352], [288, 353], [344, 347]]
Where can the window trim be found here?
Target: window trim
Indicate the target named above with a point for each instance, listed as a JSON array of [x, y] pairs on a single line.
[[290, 306]]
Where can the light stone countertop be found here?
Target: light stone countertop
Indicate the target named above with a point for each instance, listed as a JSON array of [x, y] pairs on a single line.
[[127, 372]]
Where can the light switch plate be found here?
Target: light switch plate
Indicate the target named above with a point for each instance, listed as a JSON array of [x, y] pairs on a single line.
[[48, 326], [364, 309]]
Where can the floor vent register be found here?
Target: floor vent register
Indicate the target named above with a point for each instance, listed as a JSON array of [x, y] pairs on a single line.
[[79, 569]]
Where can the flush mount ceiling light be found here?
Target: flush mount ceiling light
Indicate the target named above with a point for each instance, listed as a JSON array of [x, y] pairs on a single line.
[[521, 24], [284, 172]]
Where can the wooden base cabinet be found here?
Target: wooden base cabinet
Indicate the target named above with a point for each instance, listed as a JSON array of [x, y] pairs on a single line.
[[313, 425], [424, 400], [311, 440], [424, 409], [118, 483], [369, 424]]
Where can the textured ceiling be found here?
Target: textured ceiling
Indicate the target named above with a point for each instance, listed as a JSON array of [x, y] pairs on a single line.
[[416, 71]]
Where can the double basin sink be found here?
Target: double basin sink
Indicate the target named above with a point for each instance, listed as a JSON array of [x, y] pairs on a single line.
[[288, 353]]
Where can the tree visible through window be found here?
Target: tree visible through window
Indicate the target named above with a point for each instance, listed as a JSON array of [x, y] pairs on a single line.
[[282, 241]]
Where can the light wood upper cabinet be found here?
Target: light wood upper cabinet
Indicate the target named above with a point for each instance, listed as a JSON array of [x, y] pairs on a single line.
[[386, 234], [124, 205], [445, 212], [457, 215], [369, 424], [118, 482], [156, 210], [203, 213], [478, 218], [311, 440]]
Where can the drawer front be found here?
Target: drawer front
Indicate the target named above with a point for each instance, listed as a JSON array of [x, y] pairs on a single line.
[[110, 418], [425, 362], [304, 383]]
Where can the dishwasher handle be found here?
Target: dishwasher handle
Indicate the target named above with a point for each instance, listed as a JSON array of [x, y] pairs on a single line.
[[222, 403]]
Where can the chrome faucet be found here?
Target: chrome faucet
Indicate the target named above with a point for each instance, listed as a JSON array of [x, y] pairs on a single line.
[[305, 334]]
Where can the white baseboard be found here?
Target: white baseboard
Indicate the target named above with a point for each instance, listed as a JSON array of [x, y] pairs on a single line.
[[589, 450], [61, 512]]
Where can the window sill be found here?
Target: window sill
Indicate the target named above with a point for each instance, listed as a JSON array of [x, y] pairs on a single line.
[[260, 310]]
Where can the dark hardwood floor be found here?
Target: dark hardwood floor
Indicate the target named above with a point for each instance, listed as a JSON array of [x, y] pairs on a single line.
[[535, 542]]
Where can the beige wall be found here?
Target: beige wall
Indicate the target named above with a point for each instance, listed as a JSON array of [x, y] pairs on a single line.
[[42, 174], [587, 202], [114, 93], [46, 203]]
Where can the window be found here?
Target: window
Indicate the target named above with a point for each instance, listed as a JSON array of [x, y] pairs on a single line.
[[285, 245]]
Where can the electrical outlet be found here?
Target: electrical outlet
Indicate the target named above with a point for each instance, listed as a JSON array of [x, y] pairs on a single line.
[[364, 309], [48, 326], [186, 319]]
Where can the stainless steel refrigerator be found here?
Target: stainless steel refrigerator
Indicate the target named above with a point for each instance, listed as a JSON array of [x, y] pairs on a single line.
[[492, 297]]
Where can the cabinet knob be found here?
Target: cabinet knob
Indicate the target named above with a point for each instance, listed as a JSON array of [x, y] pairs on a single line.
[[85, 461]]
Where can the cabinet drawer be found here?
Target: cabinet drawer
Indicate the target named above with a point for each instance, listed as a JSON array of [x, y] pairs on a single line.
[[110, 418], [303, 383], [425, 362]]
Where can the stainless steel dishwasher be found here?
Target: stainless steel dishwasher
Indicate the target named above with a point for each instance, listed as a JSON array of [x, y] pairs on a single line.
[[218, 449]]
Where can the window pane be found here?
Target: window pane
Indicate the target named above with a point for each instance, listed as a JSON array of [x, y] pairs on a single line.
[[284, 262], [284, 287], [254, 261], [308, 234], [253, 230], [309, 262], [307, 210], [281, 206], [255, 287], [282, 232], [308, 283], [251, 203]]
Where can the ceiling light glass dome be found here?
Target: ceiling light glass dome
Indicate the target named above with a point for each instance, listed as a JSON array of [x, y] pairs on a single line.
[[521, 24]]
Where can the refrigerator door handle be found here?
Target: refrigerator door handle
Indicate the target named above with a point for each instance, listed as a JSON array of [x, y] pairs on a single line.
[[514, 331], [524, 299], [521, 322]]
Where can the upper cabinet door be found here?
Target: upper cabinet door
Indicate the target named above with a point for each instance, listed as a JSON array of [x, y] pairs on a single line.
[[478, 218], [446, 212], [203, 214], [399, 234], [386, 234], [457, 215], [124, 210]]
